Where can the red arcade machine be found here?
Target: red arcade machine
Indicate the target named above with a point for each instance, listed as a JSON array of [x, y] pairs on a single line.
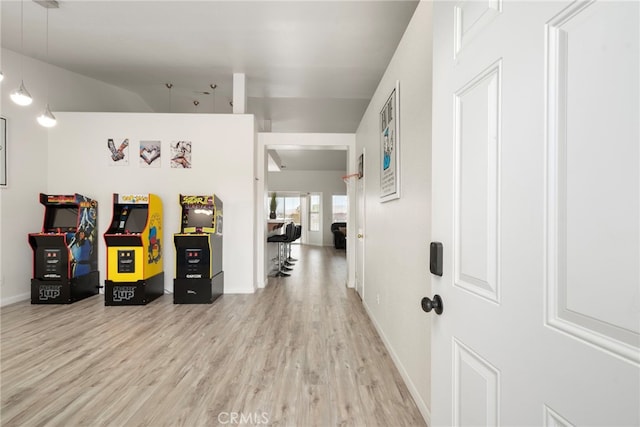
[[65, 253]]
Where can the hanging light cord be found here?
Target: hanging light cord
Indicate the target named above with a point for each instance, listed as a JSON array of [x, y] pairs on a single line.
[[21, 38], [47, 50]]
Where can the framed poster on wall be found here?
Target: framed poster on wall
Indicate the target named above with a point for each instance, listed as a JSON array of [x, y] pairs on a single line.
[[3, 152], [150, 154], [118, 151], [180, 154], [390, 147]]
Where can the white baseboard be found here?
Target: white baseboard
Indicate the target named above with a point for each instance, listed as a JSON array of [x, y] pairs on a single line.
[[422, 406], [15, 299], [239, 291]]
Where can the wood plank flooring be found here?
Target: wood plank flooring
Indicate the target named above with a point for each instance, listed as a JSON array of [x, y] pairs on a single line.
[[301, 352]]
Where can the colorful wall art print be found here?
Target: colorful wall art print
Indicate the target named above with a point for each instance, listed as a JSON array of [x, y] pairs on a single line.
[[389, 148], [181, 154], [118, 151], [150, 154]]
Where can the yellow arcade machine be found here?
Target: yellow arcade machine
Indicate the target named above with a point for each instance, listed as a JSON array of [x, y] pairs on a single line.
[[199, 276], [135, 273], [65, 252]]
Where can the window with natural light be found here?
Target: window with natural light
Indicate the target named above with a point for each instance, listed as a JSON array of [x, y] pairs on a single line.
[[288, 208], [339, 208], [314, 212]]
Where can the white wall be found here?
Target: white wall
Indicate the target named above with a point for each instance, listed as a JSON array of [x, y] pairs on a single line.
[[222, 163], [327, 183], [295, 140], [67, 91], [398, 232], [21, 213]]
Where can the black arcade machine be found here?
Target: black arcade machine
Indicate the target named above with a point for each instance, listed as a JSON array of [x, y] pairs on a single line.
[[199, 276], [65, 252]]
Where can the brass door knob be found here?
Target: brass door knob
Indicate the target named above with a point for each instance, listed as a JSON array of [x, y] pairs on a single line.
[[360, 236]]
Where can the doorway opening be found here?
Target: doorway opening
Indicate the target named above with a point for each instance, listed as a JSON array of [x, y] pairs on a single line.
[[311, 174]]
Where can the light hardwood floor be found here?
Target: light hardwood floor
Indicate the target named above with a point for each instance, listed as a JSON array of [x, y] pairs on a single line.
[[301, 352]]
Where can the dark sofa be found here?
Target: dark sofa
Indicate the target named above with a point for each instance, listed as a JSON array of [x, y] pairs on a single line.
[[339, 230]]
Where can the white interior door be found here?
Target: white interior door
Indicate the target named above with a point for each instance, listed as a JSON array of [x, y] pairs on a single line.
[[536, 200], [360, 234]]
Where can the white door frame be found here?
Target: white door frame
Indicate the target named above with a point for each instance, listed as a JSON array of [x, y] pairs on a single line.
[[304, 218], [360, 246], [296, 141]]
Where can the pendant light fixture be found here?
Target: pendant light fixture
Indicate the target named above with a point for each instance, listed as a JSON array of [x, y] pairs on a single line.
[[213, 87], [21, 95], [169, 86], [47, 119]]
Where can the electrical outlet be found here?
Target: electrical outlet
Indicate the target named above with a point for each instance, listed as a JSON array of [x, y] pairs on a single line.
[[378, 298]]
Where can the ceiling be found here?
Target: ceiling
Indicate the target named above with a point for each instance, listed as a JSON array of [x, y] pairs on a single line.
[[308, 159], [310, 66]]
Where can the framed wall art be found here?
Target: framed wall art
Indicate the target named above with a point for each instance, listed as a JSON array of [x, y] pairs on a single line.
[[150, 154], [180, 154], [118, 151], [390, 147]]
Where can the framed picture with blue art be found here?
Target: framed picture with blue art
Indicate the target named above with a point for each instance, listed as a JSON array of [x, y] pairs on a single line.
[[390, 147]]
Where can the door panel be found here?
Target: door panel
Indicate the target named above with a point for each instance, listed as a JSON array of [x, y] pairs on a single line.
[[476, 121], [553, 419], [536, 196], [593, 177], [471, 17], [476, 388]]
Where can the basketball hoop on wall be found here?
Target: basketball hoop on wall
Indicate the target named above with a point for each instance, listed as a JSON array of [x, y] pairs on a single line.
[[350, 178]]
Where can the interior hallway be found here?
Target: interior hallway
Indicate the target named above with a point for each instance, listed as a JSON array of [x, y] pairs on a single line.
[[301, 352]]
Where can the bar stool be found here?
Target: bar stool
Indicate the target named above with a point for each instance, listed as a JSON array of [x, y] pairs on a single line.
[[296, 236], [281, 240]]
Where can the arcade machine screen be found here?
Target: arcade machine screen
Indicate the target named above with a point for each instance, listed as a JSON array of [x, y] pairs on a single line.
[[64, 218], [200, 217], [136, 220]]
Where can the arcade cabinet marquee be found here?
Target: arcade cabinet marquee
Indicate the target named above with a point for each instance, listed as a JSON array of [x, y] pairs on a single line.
[[65, 252], [134, 250]]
